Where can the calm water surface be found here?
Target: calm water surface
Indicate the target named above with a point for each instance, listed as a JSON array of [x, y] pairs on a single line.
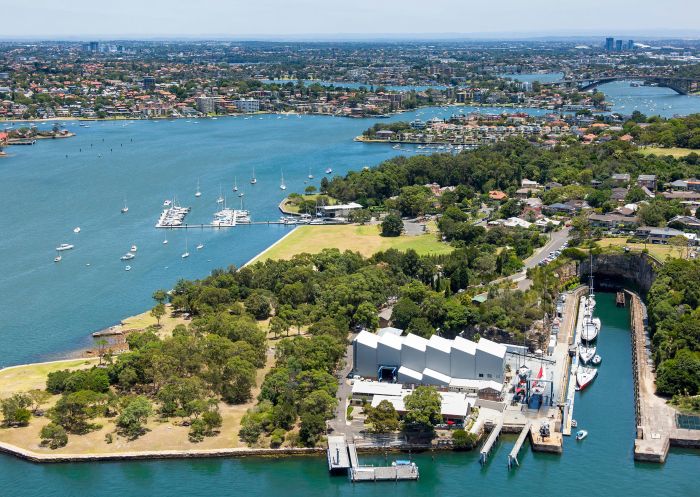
[[49, 308]]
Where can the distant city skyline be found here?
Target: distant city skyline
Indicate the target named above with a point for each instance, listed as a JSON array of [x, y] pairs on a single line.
[[361, 19]]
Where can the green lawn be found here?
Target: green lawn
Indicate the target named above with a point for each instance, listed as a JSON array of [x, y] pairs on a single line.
[[363, 239], [673, 151], [658, 251]]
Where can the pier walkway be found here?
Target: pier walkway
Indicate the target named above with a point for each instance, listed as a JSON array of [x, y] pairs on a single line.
[[513, 456], [490, 441]]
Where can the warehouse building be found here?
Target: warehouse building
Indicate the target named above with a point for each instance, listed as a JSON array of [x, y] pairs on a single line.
[[438, 361]]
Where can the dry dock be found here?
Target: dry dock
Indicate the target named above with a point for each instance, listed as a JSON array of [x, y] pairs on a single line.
[[656, 420]]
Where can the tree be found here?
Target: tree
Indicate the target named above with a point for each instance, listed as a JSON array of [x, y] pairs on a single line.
[[312, 426], [258, 305], [310, 189], [392, 225], [383, 418], [15, 410], [53, 436], [421, 326], [238, 381], [422, 409], [158, 312], [278, 326], [130, 422], [403, 312], [74, 410], [39, 398], [463, 440], [680, 374], [160, 296], [366, 315]]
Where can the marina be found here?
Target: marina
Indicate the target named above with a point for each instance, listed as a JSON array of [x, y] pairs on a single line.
[[342, 460]]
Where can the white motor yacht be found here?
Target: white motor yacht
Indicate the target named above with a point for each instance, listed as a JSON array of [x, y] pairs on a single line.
[[581, 434], [127, 257], [167, 203], [134, 248], [64, 246], [127, 268], [76, 229], [596, 360], [200, 246]]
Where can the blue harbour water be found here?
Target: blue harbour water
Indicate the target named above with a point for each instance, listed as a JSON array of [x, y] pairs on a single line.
[[48, 308]]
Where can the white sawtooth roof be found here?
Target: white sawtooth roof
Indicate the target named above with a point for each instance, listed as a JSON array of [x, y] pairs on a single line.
[[464, 345], [415, 342], [376, 388], [392, 341], [440, 343], [492, 348], [437, 375], [411, 373], [366, 338]]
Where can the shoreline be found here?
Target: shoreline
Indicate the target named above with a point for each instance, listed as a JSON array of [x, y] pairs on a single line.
[[258, 256]]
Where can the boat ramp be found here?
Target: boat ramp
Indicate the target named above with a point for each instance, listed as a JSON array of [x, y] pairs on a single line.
[[342, 459]]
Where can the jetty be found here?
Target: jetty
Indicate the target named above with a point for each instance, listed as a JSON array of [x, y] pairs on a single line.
[[513, 456], [620, 299], [342, 459], [490, 441]]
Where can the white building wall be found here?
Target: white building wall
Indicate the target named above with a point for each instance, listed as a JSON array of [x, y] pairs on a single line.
[[365, 359], [463, 359], [412, 354], [389, 351], [436, 358]]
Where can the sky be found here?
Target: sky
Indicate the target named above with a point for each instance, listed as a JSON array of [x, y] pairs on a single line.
[[259, 19]]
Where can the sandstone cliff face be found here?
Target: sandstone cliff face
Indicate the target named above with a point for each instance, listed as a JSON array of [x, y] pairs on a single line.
[[615, 271]]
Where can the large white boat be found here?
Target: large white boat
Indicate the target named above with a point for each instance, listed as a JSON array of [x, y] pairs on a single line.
[[586, 353], [585, 376], [590, 330], [127, 257], [64, 246]]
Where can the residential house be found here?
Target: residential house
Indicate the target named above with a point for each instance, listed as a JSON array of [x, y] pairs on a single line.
[[497, 195], [685, 223], [647, 180], [620, 179], [661, 235], [612, 221]]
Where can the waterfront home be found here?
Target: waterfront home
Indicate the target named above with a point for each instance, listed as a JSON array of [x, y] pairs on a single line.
[[384, 134]]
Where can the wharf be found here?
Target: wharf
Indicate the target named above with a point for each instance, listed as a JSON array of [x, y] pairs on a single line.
[[656, 420], [570, 391], [342, 459], [205, 225], [554, 443]]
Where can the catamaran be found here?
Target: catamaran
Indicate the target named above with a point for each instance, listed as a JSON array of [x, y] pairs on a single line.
[[585, 376], [282, 185]]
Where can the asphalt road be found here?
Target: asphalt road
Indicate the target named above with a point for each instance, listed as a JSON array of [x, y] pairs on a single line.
[[555, 243]]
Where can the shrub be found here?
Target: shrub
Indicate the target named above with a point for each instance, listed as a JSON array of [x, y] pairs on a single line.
[[53, 436]]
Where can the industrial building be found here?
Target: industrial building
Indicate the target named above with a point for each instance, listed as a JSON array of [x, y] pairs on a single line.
[[438, 361]]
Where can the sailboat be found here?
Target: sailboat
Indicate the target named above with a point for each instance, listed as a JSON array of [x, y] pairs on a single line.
[[165, 240], [310, 176], [586, 353], [125, 209], [185, 254], [584, 377], [197, 193], [282, 184], [220, 200], [253, 180], [200, 246], [235, 184], [591, 325]]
